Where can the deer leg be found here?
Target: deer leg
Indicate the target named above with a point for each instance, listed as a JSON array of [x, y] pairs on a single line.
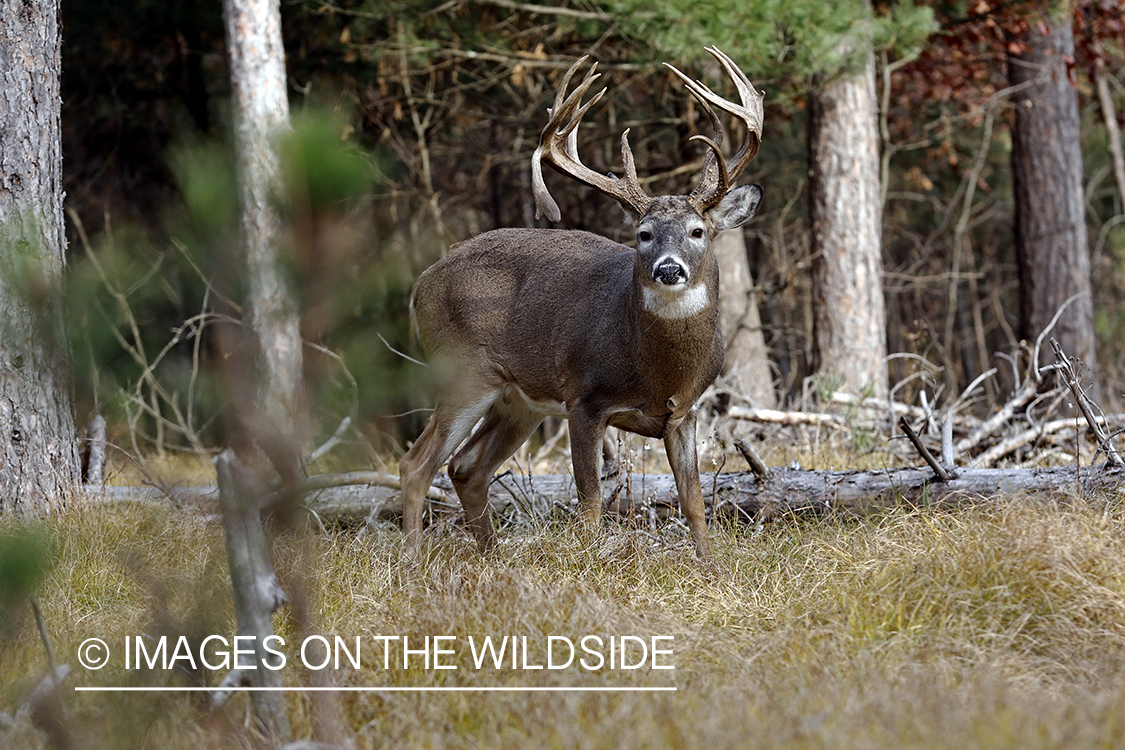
[[446, 429], [680, 446], [503, 430], [611, 467], [586, 434]]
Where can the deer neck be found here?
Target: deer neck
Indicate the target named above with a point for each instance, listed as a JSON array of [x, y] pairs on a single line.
[[679, 349]]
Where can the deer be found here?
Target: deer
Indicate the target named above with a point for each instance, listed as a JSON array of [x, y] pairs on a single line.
[[521, 324]]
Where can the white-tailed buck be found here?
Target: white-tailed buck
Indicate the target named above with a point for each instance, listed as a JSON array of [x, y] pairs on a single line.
[[525, 323]]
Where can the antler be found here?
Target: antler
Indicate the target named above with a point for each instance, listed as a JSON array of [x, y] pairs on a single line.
[[558, 144], [718, 175]]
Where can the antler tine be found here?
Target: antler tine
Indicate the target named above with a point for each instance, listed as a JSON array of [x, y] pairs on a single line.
[[714, 177], [558, 144], [712, 188], [714, 169], [751, 112]]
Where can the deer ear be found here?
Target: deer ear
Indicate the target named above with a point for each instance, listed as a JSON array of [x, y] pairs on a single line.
[[629, 215], [736, 208]]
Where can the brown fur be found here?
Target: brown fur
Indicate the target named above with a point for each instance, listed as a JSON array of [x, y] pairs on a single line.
[[520, 323]]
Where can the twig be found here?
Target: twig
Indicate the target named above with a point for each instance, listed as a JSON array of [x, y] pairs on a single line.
[[947, 438], [1039, 339], [973, 385], [999, 419], [1019, 440], [1084, 405], [331, 443], [757, 465], [396, 351], [923, 451], [959, 231], [257, 591], [45, 702], [43, 635]]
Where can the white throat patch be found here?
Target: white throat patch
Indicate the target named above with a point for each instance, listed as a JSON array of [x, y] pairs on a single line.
[[677, 302]]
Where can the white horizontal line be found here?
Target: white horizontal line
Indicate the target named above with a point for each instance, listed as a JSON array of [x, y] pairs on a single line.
[[374, 689]]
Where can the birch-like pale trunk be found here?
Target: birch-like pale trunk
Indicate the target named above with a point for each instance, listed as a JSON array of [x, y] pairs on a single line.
[[849, 318], [39, 465], [746, 370], [261, 113]]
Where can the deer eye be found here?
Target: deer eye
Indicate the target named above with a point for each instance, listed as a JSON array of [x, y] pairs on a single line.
[[644, 236], [697, 232]]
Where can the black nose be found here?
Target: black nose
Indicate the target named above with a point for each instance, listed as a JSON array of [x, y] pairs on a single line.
[[670, 272]]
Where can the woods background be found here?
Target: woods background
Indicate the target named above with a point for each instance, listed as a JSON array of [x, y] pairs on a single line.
[[413, 128]]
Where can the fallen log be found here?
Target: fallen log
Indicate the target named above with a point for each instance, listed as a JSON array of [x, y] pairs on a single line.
[[739, 494]]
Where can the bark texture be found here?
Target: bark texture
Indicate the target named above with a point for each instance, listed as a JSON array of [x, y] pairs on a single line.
[[747, 367], [257, 592], [1051, 241], [740, 493], [261, 112], [849, 318], [39, 465]]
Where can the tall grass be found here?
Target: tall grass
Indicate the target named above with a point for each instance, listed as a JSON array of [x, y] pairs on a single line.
[[999, 626]]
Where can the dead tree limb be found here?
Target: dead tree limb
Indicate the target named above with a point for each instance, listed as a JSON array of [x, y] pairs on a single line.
[[940, 471], [787, 491], [257, 593], [1066, 371], [757, 465], [997, 421], [773, 416]]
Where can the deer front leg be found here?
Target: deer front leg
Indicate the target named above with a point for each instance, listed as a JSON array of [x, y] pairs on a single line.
[[680, 446], [586, 433]]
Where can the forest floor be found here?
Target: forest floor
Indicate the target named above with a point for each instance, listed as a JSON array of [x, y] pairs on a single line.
[[999, 625]]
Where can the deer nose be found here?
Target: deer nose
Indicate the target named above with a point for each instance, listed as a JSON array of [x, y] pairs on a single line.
[[669, 272]]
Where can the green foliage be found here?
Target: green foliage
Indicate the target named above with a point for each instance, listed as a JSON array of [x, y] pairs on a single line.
[[782, 40], [144, 305], [25, 558], [208, 185], [322, 168]]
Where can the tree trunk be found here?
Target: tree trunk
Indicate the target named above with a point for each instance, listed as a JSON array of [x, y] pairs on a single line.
[[849, 320], [261, 113], [1051, 242], [39, 465], [747, 367]]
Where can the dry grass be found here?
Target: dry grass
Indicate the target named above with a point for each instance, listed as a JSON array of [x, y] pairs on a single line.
[[1001, 626]]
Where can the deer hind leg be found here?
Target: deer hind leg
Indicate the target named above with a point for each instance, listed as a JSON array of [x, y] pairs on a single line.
[[449, 425], [504, 429], [680, 446]]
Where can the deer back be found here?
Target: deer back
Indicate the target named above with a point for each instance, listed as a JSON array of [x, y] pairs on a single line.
[[561, 315]]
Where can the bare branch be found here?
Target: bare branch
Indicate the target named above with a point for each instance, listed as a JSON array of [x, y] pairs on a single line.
[[923, 451], [757, 465], [1066, 370]]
